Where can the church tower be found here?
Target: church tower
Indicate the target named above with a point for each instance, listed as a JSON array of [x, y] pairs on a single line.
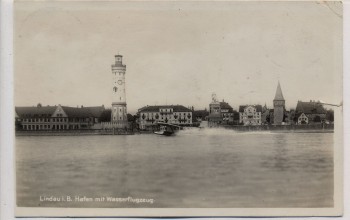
[[119, 113], [279, 106]]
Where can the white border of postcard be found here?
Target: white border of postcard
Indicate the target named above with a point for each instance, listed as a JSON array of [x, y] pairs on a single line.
[[7, 153]]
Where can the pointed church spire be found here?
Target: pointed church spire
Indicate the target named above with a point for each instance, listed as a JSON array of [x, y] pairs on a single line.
[[279, 95]]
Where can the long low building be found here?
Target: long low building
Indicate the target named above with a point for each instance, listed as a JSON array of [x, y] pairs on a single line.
[[174, 114], [57, 117]]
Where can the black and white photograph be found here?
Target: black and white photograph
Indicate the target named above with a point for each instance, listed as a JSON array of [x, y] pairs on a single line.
[[198, 108]]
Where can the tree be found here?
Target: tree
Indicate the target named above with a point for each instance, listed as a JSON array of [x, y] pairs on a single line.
[[18, 125], [295, 118], [317, 118], [268, 118], [285, 116], [130, 117], [330, 115], [106, 116]]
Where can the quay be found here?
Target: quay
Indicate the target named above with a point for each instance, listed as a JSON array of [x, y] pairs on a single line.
[[307, 128], [72, 132], [318, 128]]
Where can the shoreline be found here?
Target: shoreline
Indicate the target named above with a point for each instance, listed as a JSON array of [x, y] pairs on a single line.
[[318, 128], [309, 128]]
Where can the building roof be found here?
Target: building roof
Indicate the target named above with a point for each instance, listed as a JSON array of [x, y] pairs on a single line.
[[47, 111], [35, 111], [297, 115], [83, 112], [279, 95], [155, 108], [258, 107], [311, 107], [225, 105], [95, 111]]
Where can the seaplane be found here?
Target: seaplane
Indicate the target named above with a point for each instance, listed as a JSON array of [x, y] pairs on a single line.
[[167, 129]]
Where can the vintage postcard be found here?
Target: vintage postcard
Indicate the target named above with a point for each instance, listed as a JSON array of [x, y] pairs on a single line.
[[197, 108]]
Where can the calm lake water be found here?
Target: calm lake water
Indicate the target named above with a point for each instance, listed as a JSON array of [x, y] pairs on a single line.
[[196, 168]]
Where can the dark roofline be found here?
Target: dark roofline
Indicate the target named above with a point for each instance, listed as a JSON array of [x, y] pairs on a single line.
[[47, 111], [242, 107], [176, 108], [312, 107]]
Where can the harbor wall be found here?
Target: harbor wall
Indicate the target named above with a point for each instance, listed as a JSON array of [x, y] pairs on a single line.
[[73, 132], [306, 127], [282, 128]]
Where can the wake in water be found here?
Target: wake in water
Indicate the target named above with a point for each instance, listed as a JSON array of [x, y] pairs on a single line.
[[205, 131]]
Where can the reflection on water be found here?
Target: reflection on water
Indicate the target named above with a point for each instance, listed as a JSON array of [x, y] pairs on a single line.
[[197, 168]]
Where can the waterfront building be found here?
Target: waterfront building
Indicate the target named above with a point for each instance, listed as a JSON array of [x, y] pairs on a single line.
[[227, 113], [310, 112], [250, 114], [148, 116], [303, 119], [200, 115], [279, 106], [57, 117], [214, 117], [235, 117], [221, 113], [119, 111]]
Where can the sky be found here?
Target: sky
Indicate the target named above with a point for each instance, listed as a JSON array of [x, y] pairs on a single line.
[[177, 52]]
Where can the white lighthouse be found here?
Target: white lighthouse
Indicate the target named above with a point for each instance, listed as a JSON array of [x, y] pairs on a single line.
[[119, 113]]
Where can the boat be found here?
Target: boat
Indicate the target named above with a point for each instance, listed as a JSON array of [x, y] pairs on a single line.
[[167, 129]]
